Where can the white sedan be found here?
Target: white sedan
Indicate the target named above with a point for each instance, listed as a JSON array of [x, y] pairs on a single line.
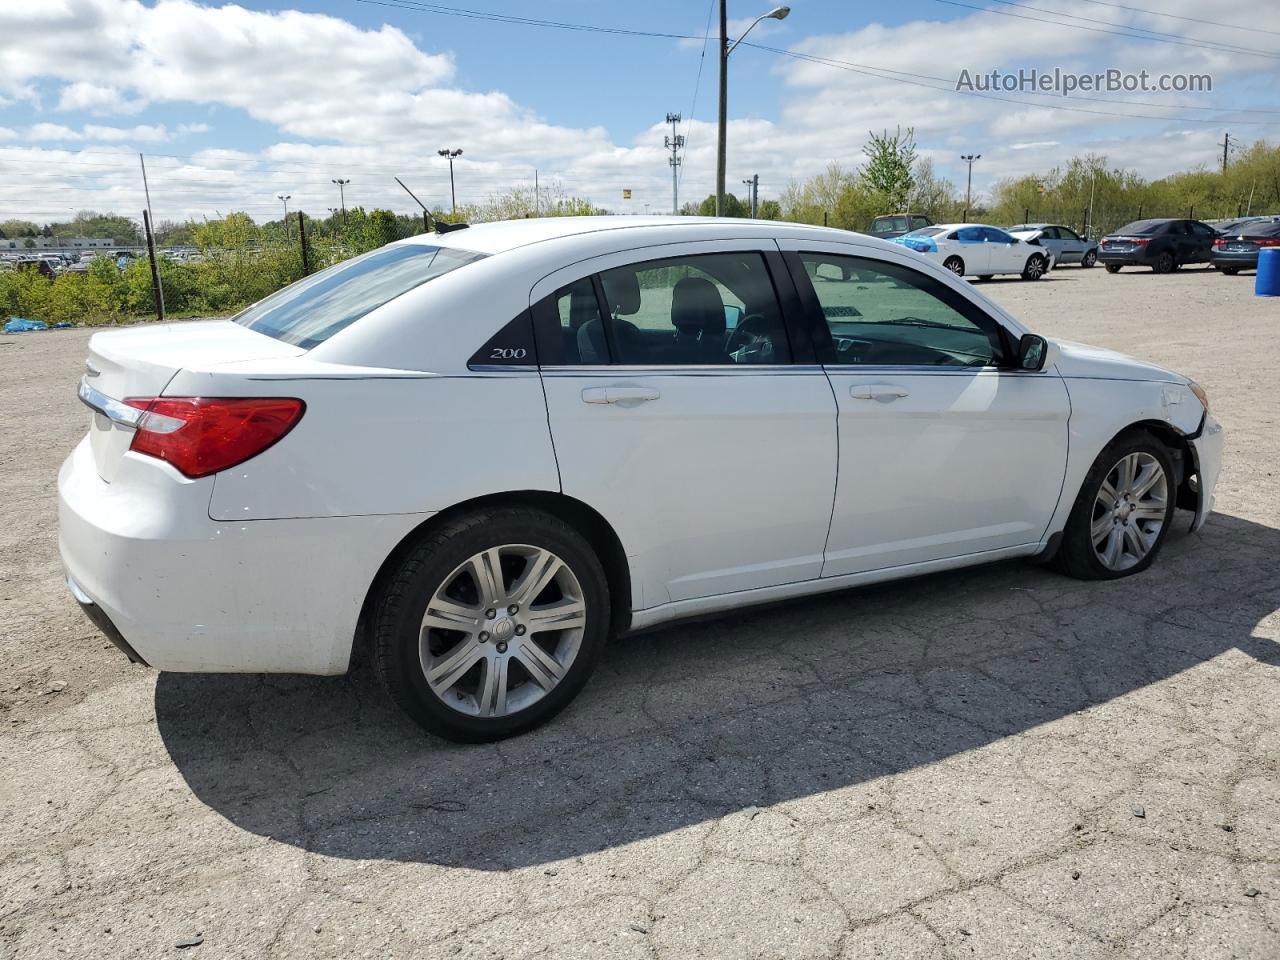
[[978, 250], [489, 450]]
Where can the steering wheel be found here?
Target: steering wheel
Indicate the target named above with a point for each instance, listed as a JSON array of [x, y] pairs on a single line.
[[744, 335]]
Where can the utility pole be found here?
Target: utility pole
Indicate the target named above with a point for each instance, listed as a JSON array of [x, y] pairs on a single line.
[[674, 143], [342, 197], [285, 198], [753, 192], [722, 115], [537, 197], [777, 13], [452, 192], [969, 158], [147, 221], [1226, 147]]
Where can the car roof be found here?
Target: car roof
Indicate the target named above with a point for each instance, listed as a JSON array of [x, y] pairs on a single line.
[[503, 235]]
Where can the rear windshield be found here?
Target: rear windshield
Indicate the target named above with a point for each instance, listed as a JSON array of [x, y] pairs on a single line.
[[891, 223], [1141, 227], [312, 310]]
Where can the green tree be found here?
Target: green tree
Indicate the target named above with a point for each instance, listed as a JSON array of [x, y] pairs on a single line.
[[889, 162], [733, 207]]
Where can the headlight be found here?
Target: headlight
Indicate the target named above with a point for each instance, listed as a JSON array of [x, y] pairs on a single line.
[[1200, 394]]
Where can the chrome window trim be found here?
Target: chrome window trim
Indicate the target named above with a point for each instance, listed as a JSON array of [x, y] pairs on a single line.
[[681, 370], [113, 410]]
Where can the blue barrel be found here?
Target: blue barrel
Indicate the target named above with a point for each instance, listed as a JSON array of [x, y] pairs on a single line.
[[1266, 283]]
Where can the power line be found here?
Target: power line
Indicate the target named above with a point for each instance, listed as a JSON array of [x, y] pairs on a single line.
[[470, 14], [1115, 33], [697, 81], [1174, 16], [1234, 48], [854, 68]]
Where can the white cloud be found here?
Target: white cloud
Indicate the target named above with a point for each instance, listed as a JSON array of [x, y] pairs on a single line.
[[51, 131], [98, 99]]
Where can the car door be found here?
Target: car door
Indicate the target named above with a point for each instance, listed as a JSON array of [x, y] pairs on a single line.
[[1007, 255], [1202, 236], [1071, 246], [970, 245], [711, 451], [944, 452]]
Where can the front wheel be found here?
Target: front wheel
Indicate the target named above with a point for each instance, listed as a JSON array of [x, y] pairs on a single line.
[[492, 624], [1123, 511], [1089, 259], [955, 265], [1034, 269], [1113, 268]]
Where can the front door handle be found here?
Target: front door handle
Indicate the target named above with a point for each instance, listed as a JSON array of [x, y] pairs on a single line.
[[884, 392], [625, 396]]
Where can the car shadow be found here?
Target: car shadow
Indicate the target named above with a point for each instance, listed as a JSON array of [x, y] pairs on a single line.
[[698, 720]]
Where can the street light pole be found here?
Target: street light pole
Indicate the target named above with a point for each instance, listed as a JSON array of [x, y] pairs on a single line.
[[342, 197], [453, 193], [285, 198], [777, 13], [969, 158]]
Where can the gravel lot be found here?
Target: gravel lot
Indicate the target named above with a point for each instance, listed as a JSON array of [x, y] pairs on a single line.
[[994, 763]]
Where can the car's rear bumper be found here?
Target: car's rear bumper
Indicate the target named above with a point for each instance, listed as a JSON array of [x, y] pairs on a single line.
[[179, 591], [1244, 261], [1124, 257]]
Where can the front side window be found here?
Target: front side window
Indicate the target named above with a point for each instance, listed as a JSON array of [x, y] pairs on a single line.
[[717, 308], [312, 310], [880, 313]]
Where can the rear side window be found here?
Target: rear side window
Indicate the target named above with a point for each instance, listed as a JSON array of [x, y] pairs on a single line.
[[312, 310]]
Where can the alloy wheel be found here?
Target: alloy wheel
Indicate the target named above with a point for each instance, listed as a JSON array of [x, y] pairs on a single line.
[[502, 630], [1129, 511]]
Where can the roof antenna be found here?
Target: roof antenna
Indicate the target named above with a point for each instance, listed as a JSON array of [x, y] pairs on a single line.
[[429, 220]]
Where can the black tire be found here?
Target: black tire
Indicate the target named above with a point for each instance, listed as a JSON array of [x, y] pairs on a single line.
[[1113, 268], [1035, 268], [955, 265], [1089, 259], [410, 587], [986, 276], [1230, 271], [1164, 263], [1076, 556]]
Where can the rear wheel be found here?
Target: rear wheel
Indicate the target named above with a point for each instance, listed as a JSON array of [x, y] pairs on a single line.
[[1230, 271], [1164, 263], [1034, 269], [955, 265], [1113, 268], [1123, 511], [1089, 259], [986, 276], [492, 624]]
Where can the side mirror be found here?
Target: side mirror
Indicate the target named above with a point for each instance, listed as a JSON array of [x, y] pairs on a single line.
[[1033, 351]]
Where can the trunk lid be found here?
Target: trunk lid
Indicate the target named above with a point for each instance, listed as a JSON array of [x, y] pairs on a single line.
[[141, 361]]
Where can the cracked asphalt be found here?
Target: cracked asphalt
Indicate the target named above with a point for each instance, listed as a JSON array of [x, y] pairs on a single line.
[[995, 763]]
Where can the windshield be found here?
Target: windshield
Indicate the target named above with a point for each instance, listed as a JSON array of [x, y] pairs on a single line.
[[312, 310], [1141, 227]]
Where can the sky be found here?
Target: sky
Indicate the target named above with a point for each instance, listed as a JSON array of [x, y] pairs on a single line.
[[235, 104]]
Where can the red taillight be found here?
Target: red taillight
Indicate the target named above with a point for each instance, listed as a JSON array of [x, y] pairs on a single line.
[[1140, 241], [1268, 241], [1219, 241], [202, 435]]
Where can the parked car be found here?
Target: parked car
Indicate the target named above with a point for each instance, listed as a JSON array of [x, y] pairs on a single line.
[[896, 224], [1234, 252], [492, 449], [1162, 244], [1067, 245], [979, 250]]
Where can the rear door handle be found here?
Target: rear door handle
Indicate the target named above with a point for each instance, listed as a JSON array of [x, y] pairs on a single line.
[[878, 391], [626, 396]]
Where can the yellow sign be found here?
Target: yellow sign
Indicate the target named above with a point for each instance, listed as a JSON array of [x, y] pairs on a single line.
[[626, 194]]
